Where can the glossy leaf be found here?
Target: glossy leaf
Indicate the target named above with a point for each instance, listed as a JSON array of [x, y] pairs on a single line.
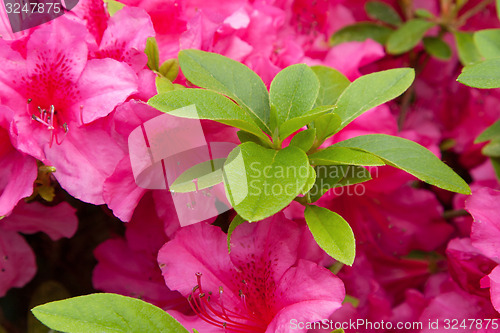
[[383, 12], [292, 125], [408, 36], [410, 157], [344, 156], [332, 233], [484, 74], [492, 149], [170, 69], [237, 220], [293, 92], [199, 177], [332, 176], [205, 104], [492, 132], [331, 84], [488, 42], [304, 139], [106, 313], [467, 50], [437, 47], [360, 32], [260, 182], [231, 78], [248, 137], [372, 90]]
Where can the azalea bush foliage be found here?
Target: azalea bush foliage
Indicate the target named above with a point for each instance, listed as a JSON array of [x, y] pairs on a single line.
[[361, 183]]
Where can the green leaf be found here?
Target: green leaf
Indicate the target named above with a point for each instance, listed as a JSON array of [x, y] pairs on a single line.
[[408, 36], [360, 32], [338, 331], [437, 48], [293, 92], [311, 180], [331, 176], [106, 313], [248, 137], [170, 69], [331, 84], [498, 8], [332, 233], [495, 161], [484, 74], [205, 104], [113, 6], [488, 42], [344, 156], [492, 149], [237, 220], [383, 12], [163, 85], [467, 50], [153, 54], [304, 139], [410, 157], [423, 13], [260, 182], [372, 90], [46, 292], [199, 177], [292, 125], [492, 132], [326, 125], [231, 78]]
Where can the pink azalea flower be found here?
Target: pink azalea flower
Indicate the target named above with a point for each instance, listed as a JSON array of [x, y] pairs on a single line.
[[18, 171], [58, 96], [140, 277], [258, 287], [17, 260]]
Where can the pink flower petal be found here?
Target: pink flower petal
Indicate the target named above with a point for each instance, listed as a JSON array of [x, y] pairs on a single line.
[[17, 261], [56, 221]]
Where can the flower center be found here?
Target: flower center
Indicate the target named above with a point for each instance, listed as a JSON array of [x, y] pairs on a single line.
[[49, 118], [212, 310]]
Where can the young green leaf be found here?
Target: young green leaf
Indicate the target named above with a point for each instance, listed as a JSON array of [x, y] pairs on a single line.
[[467, 50], [304, 139], [410, 157], [292, 125], [491, 133], [344, 156], [153, 54], [231, 78], [163, 85], [488, 42], [311, 180], [106, 313], [237, 220], [332, 233], [170, 69], [331, 84], [360, 32], [326, 125], [383, 12], [484, 74], [407, 36], [205, 104], [437, 48], [423, 13], [260, 182], [372, 90], [199, 177], [293, 91], [331, 176], [492, 149]]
